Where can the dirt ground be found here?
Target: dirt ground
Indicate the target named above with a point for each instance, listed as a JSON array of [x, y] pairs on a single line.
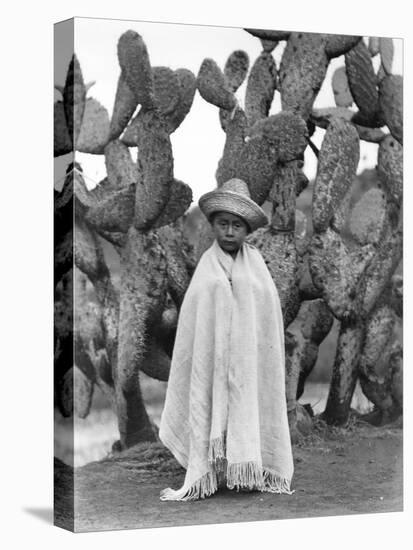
[[337, 471]]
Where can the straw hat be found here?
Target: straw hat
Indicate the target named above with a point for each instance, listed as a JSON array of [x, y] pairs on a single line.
[[233, 196]]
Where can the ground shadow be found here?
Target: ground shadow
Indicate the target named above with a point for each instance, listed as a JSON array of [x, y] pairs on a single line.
[[45, 514]]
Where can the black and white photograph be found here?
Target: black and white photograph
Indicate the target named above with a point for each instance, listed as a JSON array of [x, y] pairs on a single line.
[[228, 279], [202, 287]]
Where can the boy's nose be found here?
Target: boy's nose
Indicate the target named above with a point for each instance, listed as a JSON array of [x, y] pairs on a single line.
[[229, 229]]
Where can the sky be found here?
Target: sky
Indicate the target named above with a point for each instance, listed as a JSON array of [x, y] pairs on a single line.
[[198, 143]]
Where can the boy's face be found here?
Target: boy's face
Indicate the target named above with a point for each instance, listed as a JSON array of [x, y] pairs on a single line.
[[229, 230]]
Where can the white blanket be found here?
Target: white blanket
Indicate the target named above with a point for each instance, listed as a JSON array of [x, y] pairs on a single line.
[[225, 412]]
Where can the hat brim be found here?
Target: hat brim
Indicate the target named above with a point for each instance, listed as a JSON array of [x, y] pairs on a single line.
[[228, 201]]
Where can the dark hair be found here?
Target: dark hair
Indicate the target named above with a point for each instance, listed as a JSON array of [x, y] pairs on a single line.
[[213, 214]]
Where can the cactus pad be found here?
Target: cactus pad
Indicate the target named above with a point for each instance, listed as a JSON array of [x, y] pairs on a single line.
[[341, 214], [301, 232], [74, 98], [186, 89], [315, 320], [236, 69], [301, 181], [62, 142], [363, 83], [134, 61], [88, 255], [155, 164], [338, 160], [390, 167], [99, 193], [181, 90], [336, 270], [269, 34], [386, 53], [76, 392], [311, 325], [374, 45], [323, 117], [342, 94], [166, 89], [123, 109], [368, 217], [84, 198], [156, 362], [391, 102], [114, 213], [120, 168], [262, 82], [379, 332], [214, 86], [280, 255], [381, 73], [380, 270], [234, 144], [339, 44], [174, 244], [130, 135], [385, 389], [179, 201], [257, 166], [287, 133], [396, 298], [94, 131], [302, 71], [283, 196], [268, 45]]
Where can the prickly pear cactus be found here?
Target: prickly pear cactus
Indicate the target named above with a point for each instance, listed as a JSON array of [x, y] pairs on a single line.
[[368, 233], [135, 208], [350, 240], [342, 268]]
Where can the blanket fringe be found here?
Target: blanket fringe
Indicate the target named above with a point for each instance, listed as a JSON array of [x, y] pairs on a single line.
[[273, 483], [250, 475], [247, 475], [217, 452], [244, 475], [203, 487], [241, 476]]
